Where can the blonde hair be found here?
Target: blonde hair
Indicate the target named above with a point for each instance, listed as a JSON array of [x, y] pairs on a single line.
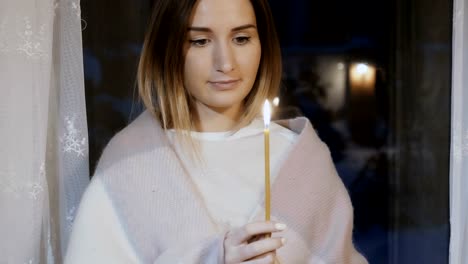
[[160, 72]]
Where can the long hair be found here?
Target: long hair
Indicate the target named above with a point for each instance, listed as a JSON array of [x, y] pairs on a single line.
[[160, 71]]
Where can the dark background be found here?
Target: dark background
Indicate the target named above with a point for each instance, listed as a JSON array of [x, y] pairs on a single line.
[[391, 147]]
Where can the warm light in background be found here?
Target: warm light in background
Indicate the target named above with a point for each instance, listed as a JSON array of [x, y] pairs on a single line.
[[276, 101], [362, 68], [340, 66], [362, 78]]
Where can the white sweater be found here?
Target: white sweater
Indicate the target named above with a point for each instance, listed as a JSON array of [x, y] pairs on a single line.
[[142, 205], [231, 177]]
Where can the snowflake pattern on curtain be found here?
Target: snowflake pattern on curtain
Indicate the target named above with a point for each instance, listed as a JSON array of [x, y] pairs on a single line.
[[32, 189], [76, 9], [71, 217], [32, 39], [28, 39], [21, 36], [72, 140], [31, 33]]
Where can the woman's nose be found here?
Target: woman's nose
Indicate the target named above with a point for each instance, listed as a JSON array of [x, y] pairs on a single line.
[[224, 58]]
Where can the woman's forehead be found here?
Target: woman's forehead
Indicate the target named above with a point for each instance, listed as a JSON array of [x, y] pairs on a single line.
[[222, 13]]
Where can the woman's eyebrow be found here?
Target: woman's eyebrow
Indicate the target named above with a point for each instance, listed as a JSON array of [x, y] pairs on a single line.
[[203, 29], [206, 29], [246, 26]]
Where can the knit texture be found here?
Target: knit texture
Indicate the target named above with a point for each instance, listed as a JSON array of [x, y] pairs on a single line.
[[165, 220], [230, 172]]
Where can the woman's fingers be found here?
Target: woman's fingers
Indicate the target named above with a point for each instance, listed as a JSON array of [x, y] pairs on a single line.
[[252, 250], [249, 243], [242, 234], [268, 258], [272, 253]]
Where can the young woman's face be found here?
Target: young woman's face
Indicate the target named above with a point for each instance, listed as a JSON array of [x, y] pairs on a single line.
[[222, 54]]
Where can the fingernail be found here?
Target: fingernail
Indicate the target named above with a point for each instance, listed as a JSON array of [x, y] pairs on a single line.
[[280, 226], [283, 240]]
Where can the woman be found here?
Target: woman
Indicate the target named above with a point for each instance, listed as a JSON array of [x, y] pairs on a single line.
[[183, 183]]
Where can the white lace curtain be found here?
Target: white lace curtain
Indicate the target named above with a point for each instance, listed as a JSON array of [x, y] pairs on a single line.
[[459, 157], [43, 131]]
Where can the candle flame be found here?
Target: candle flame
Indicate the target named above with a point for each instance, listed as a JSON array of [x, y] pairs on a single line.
[[266, 113]]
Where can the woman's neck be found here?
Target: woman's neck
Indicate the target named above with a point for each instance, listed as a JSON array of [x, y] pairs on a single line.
[[210, 119]]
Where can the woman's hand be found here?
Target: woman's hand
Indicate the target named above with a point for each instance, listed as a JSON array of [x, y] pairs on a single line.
[[251, 244]]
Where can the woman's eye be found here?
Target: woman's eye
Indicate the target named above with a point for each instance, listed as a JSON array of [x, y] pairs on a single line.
[[241, 40], [199, 42]]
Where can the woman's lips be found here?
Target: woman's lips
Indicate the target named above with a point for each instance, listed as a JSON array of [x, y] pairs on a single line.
[[224, 84]]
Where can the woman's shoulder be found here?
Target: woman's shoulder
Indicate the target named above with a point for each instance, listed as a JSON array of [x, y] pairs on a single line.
[[284, 132], [295, 128], [137, 131], [142, 135]]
